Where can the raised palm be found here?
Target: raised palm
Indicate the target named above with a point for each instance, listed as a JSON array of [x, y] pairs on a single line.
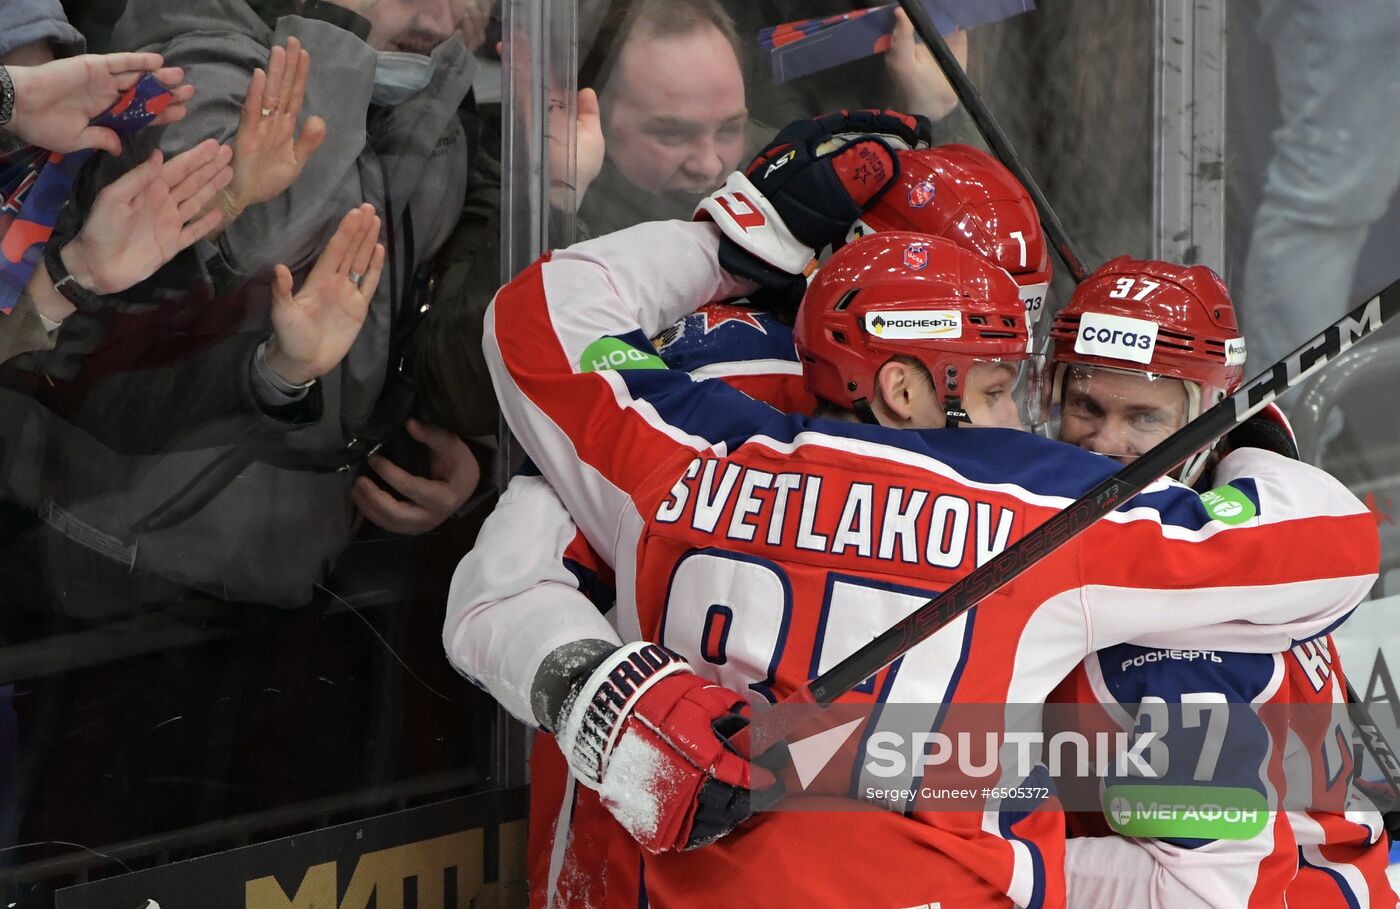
[[142, 219], [268, 152], [314, 329]]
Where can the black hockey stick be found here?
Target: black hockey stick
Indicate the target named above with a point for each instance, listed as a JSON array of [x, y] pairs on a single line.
[[1099, 501], [992, 132], [1376, 743]]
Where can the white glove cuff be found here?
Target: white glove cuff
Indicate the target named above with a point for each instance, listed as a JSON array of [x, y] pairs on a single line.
[[747, 217], [593, 719]]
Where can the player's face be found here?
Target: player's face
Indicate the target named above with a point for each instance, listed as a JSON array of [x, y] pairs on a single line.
[[988, 396], [674, 119], [1120, 414]]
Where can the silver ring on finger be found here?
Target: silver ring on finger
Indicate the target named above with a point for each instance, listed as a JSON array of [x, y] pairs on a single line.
[[356, 278]]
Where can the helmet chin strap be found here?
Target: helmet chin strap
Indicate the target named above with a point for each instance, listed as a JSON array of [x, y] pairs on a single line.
[[954, 414]]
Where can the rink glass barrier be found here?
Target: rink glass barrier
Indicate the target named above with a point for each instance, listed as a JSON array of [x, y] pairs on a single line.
[[174, 685]]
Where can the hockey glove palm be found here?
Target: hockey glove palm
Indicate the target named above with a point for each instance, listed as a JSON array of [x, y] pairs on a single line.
[[647, 734], [805, 190]]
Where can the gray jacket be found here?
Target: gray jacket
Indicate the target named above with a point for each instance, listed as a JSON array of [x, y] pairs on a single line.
[[261, 518], [27, 21]]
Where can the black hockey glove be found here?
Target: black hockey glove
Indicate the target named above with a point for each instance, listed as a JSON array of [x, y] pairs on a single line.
[[1268, 429], [803, 192]]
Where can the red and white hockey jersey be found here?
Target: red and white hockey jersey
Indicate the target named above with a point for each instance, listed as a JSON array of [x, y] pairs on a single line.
[[765, 547], [1327, 850], [532, 571]]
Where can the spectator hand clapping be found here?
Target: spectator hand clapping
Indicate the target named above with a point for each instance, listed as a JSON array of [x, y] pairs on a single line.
[[314, 328], [268, 153]]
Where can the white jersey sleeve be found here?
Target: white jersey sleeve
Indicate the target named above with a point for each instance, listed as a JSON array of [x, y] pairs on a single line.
[[592, 309], [1323, 552], [516, 597]]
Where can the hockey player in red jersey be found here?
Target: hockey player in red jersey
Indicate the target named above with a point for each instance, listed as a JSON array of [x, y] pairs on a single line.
[[529, 560], [956, 192], [1142, 348], [684, 482]]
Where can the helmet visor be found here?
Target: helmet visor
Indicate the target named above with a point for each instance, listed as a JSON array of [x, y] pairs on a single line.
[[996, 393], [1120, 413]]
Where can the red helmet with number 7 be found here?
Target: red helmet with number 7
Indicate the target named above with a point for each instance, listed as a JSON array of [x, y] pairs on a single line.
[[965, 195], [1154, 319], [904, 294]]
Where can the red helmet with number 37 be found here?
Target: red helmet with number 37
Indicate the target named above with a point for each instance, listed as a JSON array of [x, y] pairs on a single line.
[[1156, 319], [965, 195], [904, 294]]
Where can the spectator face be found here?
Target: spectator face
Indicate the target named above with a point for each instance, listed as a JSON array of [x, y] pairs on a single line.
[[675, 115], [415, 26], [1120, 414]]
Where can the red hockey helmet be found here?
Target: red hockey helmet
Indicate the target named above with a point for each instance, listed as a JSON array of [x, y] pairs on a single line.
[[965, 195], [900, 293], [1154, 318]]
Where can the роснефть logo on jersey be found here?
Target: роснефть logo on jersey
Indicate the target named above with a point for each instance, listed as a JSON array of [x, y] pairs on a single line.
[[914, 324]]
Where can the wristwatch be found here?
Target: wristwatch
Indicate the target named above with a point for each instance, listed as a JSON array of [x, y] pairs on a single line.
[[7, 96], [65, 283]]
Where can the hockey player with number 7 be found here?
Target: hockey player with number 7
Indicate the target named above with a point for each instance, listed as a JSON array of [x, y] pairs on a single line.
[[724, 520], [1177, 351]]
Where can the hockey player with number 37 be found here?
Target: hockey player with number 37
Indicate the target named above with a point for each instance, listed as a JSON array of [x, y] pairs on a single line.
[[702, 499], [1120, 399]]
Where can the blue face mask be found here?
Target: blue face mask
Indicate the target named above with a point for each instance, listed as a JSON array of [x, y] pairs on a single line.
[[399, 75]]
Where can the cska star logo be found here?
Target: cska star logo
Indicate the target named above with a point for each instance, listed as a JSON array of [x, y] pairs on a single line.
[[717, 314], [916, 256], [921, 193]]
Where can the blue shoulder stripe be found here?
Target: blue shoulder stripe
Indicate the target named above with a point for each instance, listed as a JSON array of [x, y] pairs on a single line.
[[718, 413]]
